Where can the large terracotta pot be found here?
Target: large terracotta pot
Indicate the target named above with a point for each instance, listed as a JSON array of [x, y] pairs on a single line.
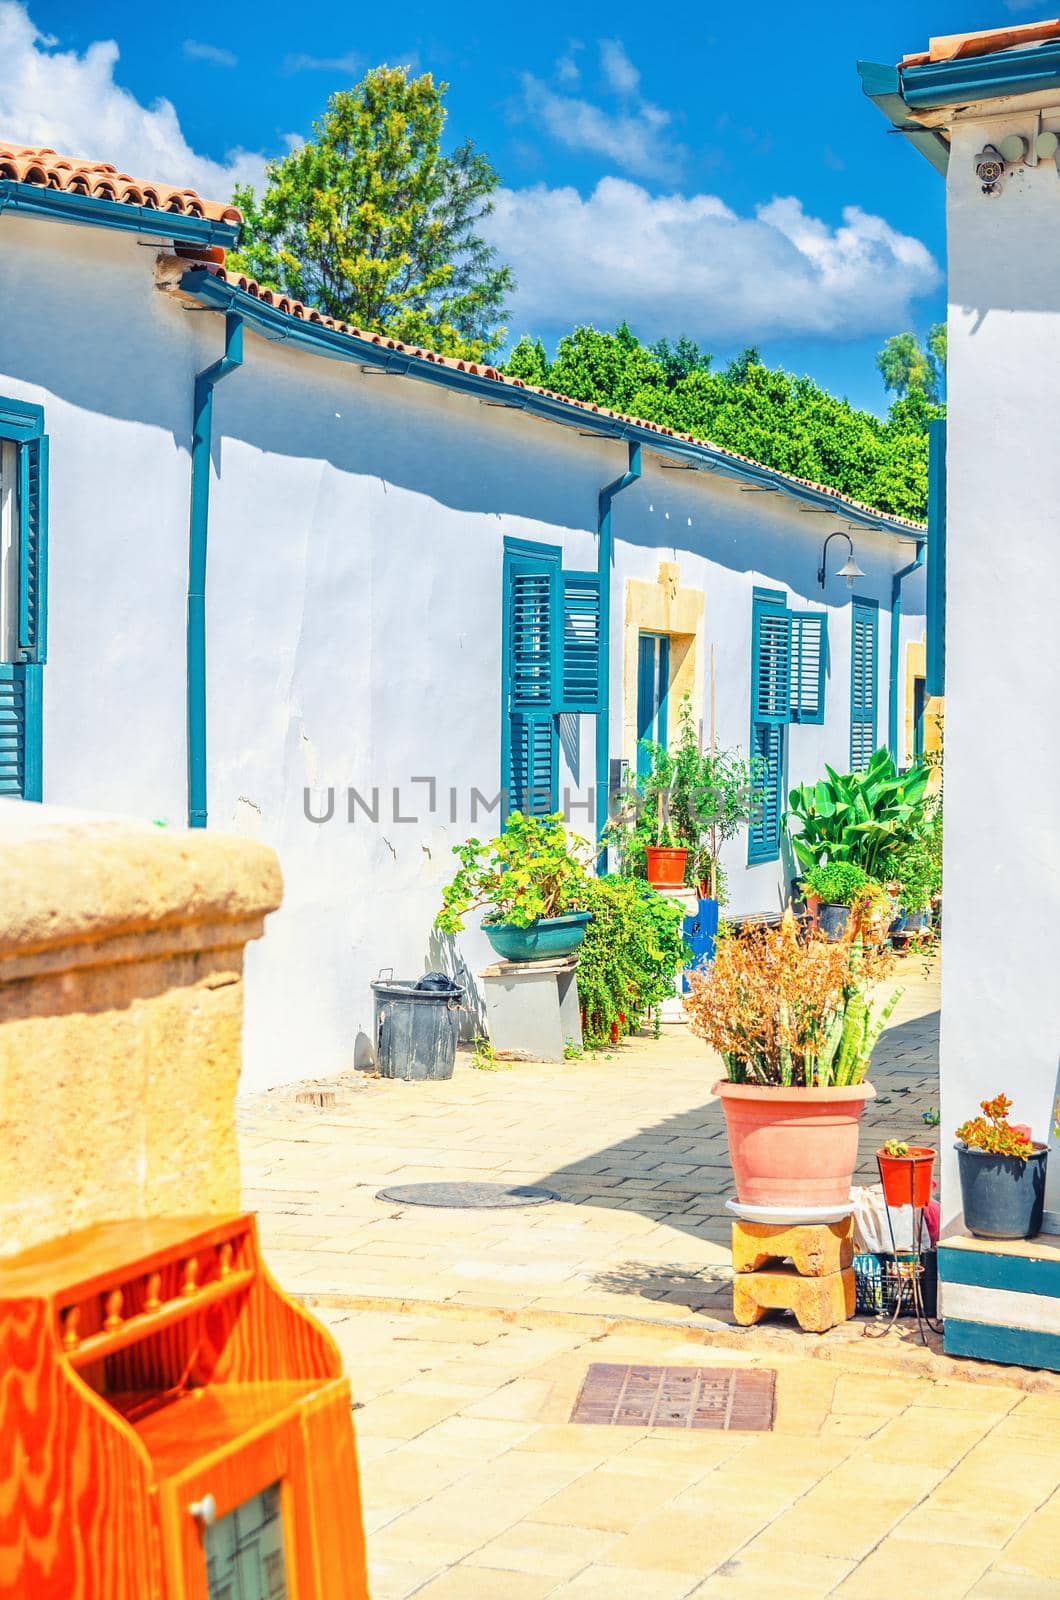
[[666, 866], [792, 1147]]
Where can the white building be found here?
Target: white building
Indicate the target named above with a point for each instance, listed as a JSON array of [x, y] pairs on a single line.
[[374, 515], [985, 109]]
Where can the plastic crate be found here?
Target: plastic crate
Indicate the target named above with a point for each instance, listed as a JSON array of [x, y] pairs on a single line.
[[880, 1279]]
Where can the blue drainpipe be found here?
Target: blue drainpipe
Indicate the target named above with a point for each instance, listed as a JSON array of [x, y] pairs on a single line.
[[604, 556], [201, 437], [896, 625]]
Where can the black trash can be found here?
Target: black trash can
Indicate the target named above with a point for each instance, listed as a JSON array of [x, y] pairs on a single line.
[[416, 1026]]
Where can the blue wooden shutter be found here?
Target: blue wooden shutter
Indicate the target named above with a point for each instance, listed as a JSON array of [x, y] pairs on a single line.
[[770, 712], [936, 558], [530, 739], [12, 729], [33, 549], [863, 673], [809, 650], [767, 751], [578, 670]]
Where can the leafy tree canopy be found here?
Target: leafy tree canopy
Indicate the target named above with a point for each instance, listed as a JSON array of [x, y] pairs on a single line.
[[788, 423], [907, 367], [372, 223]]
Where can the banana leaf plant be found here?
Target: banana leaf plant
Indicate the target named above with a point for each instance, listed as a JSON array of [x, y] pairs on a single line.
[[861, 817]]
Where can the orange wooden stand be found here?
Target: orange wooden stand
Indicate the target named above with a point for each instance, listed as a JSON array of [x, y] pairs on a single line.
[[146, 1367]]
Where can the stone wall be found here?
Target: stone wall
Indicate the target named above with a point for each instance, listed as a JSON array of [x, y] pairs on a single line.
[[121, 1008]]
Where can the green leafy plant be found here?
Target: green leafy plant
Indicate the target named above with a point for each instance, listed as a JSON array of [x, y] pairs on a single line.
[[840, 883], [631, 954], [533, 869], [993, 1133], [791, 1011], [896, 1148], [690, 799], [865, 818]]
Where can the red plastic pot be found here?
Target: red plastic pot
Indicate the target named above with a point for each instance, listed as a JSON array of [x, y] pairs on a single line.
[[907, 1179], [666, 867], [792, 1147]]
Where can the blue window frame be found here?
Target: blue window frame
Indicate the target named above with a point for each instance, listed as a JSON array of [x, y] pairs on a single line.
[[864, 672], [653, 688], [23, 595]]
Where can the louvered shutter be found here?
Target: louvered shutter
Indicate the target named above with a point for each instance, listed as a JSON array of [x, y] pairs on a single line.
[[809, 638], [863, 672], [767, 749], [12, 729], [33, 549], [771, 689], [771, 675], [531, 662], [579, 669]]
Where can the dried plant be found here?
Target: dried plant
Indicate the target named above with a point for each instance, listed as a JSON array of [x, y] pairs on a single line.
[[791, 1010]]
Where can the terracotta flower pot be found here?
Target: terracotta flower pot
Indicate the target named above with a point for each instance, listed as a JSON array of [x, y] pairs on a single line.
[[666, 868], [792, 1147], [907, 1179]]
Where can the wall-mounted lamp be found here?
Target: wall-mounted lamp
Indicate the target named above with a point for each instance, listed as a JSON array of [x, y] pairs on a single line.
[[849, 570]]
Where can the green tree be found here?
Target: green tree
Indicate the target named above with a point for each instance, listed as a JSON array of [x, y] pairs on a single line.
[[907, 367], [528, 361], [371, 222]]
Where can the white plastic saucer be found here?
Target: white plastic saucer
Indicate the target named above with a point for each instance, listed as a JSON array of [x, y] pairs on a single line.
[[788, 1216]]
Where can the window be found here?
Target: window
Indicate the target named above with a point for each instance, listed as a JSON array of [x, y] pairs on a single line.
[[919, 708], [551, 665], [653, 684], [863, 673], [789, 653], [23, 594]]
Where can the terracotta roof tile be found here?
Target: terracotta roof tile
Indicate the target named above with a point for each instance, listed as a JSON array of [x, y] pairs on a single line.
[[100, 181], [295, 308], [958, 46]]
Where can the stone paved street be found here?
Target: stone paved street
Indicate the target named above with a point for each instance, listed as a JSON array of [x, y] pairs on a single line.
[[632, 1142], [467, 1335]]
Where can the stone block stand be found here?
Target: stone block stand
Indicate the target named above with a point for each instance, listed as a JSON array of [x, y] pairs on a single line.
[[805, 1268], [532, 1008]]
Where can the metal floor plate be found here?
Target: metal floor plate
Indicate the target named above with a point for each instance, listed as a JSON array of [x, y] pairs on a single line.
[[677, 1397], [467, 1196]]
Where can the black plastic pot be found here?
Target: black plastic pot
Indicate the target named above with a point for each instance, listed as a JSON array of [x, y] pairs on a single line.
[[1002, 1196], [833, 920]]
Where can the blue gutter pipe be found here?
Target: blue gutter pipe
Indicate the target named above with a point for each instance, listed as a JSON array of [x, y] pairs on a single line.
[[896, 627], [201, 440], [57, 206], [605, 554]]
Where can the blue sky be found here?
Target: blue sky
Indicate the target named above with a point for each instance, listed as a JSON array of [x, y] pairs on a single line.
[[721, 176]]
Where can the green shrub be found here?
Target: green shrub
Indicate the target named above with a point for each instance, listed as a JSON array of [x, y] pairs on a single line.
[[839, 884], [631, 954], [532, 870], [861, 817]]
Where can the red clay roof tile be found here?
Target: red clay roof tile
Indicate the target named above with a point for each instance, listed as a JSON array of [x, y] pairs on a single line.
[[101, 181], [295, 308]]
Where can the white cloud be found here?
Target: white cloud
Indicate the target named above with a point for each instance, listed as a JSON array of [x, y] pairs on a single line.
[[348, 65], [196, 50], [73, 104], [567, 69], [633, 138], [689, 264], [622, 76]]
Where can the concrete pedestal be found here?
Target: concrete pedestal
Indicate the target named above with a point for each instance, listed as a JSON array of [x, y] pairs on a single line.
[[804, 1268], [532, 1008]]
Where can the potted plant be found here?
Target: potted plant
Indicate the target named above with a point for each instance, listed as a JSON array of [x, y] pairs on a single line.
[[691, 801], [533, 878], [1002, 1173], [837, 887], [915, 869], [795, 1023], [906, 1172], [861, 817]]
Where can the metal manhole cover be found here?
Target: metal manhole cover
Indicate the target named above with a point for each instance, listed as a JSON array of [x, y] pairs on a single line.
[[677, 1397], [467, 1196]]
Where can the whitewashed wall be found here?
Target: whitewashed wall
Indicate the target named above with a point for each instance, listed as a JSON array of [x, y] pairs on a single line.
[[1000, 996], [354, 611]]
